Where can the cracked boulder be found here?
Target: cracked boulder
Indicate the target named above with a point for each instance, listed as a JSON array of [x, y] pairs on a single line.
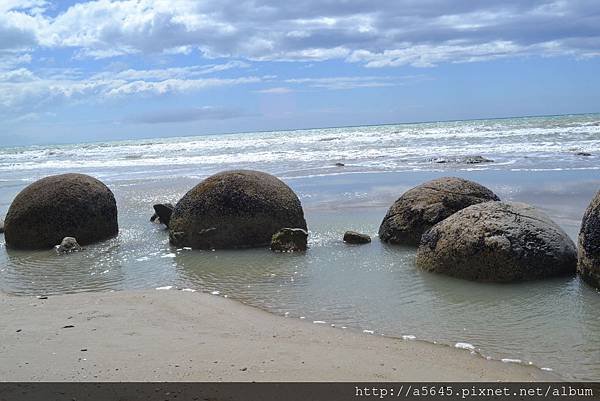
[[235, 209], [497, 242], [588, 264], [421, 207]]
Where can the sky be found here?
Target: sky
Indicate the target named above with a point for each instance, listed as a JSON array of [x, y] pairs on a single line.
[[109, 70]]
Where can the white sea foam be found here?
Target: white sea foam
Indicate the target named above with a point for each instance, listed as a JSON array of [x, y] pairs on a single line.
[[409, 337], [468, 346], [166, 287], [510, 360]]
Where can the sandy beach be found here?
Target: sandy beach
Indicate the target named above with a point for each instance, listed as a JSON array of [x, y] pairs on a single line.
[[184, 336]]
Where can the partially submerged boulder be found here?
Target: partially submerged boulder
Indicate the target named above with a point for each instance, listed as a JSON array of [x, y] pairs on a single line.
[[588, 264], [59, 206], [68, 245], [162, 213], [352, 237], [499, 242], [235, 209], [421, 207], [289, 240]]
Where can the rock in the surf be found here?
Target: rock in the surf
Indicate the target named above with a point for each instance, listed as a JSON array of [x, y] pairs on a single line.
[[583, 154], [55, 207], [497, 242], [235, 209], [289, 240], [352, 237], [68, 245], [588, 265], [418, 209], [162, 213]]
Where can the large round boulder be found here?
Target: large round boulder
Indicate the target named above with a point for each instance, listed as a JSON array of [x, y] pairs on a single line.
[[235, 209], [497, 241], [59, 206], [421, 207], [588, 264]]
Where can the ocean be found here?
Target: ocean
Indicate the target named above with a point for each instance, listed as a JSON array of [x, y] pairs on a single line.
[[550, 162]]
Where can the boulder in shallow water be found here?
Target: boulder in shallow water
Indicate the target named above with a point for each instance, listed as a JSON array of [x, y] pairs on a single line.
[[588, 264], [499, 242], [352, 237], [68, 245], [59, 206], [418, 209], [289, 240], [235, 209], [162, 213]]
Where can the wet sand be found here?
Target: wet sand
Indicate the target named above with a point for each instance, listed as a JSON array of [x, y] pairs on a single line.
[[184, 336]]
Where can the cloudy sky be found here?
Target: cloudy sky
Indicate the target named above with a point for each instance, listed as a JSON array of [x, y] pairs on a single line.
[[102, 70]]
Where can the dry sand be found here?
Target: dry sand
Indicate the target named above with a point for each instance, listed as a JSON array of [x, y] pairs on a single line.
[[184, 336]]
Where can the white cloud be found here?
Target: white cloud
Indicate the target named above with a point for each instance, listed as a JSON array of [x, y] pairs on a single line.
[[375, 32], [279, 90]]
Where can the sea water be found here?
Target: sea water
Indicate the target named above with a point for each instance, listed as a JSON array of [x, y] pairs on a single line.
[[374, 288]]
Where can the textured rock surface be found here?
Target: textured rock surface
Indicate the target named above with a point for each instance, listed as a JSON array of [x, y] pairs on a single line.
[[55, 207], [235, 209], [497, 241], [68, 245], [162, 213], [352, 237], [588, 264], [418, 209], [289, 240]]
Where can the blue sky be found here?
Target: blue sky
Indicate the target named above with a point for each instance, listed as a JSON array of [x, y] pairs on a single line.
[[106, 70]]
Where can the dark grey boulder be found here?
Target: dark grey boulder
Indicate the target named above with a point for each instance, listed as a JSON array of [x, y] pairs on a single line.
[[583, 154], [352, 237], [497, 242], [338, 164], [68, 245], [59, 206], [588, 265], [289, 240], [418, 209], [235, 209], [162, 213]]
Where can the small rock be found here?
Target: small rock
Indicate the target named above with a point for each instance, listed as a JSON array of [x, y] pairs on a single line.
[[462, 160], [42, 297], [163, 212], [84, 350], [583, 154], [68, 245], [339, 164], [69, 326], [18, 331], [352, 237], [244, 369], [289, 240]]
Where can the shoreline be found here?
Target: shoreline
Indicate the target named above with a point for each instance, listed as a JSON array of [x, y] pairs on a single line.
[[152, 335]]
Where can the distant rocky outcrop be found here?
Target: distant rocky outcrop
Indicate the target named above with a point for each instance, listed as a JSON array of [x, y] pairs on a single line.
[[162, 213], [418, 209], [588, 264], [499, 242], [235, 209], [289, 240], [585, 154], [352, 237], [462, 160], [68, 245], [55, 207]]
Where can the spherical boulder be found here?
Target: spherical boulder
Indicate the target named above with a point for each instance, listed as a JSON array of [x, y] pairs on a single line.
[[588, 264], [59, 206], [235, 209], [499, 242], [418, 209]]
